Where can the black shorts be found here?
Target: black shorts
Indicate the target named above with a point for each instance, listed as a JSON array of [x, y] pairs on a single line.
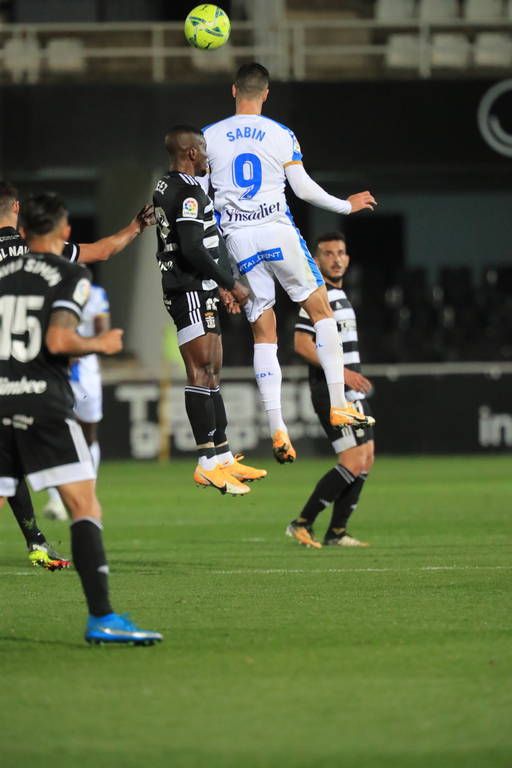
[[348, 437], [48, 452], [194, 313]]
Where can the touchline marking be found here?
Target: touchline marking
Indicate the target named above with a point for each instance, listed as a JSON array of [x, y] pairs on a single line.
[[270, 571]]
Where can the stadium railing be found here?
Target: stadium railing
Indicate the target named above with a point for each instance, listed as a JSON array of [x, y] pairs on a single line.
[[299, 49]]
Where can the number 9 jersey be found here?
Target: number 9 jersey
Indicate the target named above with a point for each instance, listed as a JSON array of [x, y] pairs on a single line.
[[247, 156]]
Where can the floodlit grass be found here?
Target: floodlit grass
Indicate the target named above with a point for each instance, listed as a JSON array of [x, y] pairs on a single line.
[[275, 656]]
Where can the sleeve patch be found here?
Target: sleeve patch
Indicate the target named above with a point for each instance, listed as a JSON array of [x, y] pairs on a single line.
[[297, 152], [190, 208], [82, 291]]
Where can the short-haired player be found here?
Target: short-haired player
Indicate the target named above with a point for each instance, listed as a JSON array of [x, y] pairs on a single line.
[[41, 302], [12, 243], [355, 447], [251, 159], [194, 266]]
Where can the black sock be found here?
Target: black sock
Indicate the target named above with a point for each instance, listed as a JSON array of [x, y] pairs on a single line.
[[21, 505], [221, 422], [345, 505], [331, 485], [90, 561], [201, 415]]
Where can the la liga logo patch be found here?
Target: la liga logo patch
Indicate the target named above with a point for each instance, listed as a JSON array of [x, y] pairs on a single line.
[[82, 291], [190, 208]]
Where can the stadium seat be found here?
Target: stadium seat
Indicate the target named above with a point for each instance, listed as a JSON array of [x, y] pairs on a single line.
[[492, 49], [394, 10], [65, 56], [457, 285], [402, 52], [483, 10], [22, 59], [450, 51], [438, 10]]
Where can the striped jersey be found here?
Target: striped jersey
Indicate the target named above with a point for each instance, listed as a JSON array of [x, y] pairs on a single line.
[[178, 198], [345, 317]]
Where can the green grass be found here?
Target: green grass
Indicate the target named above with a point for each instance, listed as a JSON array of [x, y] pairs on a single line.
[[275, 656]]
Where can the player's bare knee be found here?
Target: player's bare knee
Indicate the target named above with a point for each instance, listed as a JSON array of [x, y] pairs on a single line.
[[264, 336], [353, 460], [86, 507], [264, 329], [370, 457], [199, 376], [317, 305], [215, 379]]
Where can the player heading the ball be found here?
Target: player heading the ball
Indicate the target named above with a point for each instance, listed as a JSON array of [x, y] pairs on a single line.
[[251, 157]]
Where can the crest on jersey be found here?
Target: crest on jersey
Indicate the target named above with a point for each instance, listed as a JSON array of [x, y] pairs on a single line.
[[296, 146], [82, 291], [190, 208]]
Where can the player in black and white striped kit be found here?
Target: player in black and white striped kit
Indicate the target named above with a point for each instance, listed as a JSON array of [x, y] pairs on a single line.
[[354, 446]]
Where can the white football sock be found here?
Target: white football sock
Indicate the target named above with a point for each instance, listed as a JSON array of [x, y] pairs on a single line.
[[208, 462], [330, 354], [96, 454], [54, 495], [268, 378], [225, 458]]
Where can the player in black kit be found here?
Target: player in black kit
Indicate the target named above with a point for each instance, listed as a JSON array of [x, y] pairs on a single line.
[[41, 301], [194, 262], [13, 244]]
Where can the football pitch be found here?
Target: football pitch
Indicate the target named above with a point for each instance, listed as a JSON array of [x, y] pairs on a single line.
[[275, 656]]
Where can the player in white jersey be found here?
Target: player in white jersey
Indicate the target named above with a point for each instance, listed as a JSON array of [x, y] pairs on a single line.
[[85, 379], [251, 158]]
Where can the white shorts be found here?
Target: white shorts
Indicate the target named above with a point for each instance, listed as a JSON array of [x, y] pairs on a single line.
[[273, 250], [88, 398]]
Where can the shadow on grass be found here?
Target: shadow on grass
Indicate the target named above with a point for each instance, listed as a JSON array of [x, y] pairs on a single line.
[[76, 646]]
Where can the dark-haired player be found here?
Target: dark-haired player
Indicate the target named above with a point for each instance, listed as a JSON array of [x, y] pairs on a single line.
[[251, 158], [11, 241], [13, 244], [193, 262], [354, 446], [41, 301]]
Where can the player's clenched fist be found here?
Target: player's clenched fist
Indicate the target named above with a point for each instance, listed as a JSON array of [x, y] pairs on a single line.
[[111, 341], [146, 217], [240, 292], [362, 201]]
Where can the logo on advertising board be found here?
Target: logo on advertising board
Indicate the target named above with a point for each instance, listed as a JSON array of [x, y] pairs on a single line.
[[495, 117]]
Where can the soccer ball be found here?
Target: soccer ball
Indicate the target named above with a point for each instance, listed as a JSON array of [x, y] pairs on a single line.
[[207, 27]]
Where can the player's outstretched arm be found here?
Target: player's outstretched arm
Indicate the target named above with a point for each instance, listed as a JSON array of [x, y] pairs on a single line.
[[304, 187], [103, 249], [62, 339]]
